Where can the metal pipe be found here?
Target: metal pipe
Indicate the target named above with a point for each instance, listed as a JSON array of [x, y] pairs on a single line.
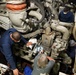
[[74, 29], [38, 3], [36, 14], [61, 29], [33, 34]]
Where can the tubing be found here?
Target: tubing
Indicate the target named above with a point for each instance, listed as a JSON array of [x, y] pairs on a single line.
[[74, 29], [66, 24], [53, 10], [74, 32], [61, 29], [33, 34], [36, 14], [42, 10]]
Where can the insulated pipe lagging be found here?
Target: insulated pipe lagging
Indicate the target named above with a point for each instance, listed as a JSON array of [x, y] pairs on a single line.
[[52, 10], [33, 34], [66, 24], [74, 32], [36, 14], [42, 10], [61, 29], [74, 29], [64, 30]]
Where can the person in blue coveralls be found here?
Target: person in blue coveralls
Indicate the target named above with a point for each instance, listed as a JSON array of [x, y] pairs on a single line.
[[71, 51], [8, 38], [66, 15]]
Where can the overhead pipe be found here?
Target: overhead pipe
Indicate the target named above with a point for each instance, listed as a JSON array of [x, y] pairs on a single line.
[[17, 11], [38, 3], [61, 29], [36, 14], [33, 34], [52, 9], [74, 29]]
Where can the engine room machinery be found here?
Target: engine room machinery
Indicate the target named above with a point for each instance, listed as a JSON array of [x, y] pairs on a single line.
[[38, 19]]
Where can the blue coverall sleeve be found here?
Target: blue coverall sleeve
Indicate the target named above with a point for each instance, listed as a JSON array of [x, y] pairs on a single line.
[[8, 55], [71, 19]]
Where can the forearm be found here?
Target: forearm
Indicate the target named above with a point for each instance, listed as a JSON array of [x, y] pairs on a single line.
[[15, 72], [49, 58]]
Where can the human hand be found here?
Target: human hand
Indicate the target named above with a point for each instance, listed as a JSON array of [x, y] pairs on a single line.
[[15, 72], [50, 58], [28, 43]]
